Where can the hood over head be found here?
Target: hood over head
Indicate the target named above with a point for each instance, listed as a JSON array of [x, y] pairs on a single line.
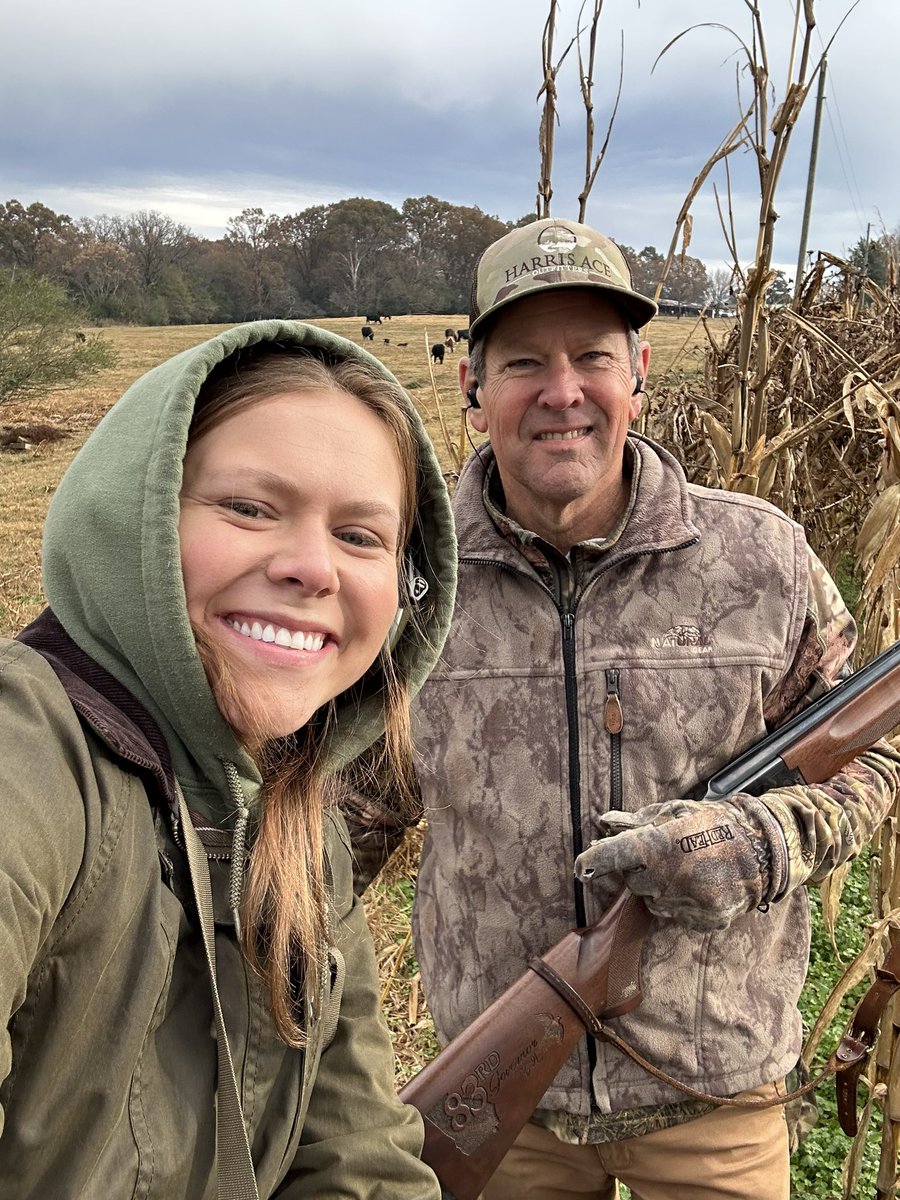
[[112, 566]]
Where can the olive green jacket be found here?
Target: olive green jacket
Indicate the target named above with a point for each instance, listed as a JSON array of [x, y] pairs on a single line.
[[107, 1050]]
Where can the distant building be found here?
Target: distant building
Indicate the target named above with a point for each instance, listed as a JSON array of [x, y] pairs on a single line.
[[675, 308]]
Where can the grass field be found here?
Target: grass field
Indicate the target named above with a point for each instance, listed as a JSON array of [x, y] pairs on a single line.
[[27, 479]]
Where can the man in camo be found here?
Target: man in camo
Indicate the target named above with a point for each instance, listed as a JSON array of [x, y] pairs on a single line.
[[619, 635]]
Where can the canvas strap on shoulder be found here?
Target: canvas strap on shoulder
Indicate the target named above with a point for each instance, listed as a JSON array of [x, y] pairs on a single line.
[[234, 1162]]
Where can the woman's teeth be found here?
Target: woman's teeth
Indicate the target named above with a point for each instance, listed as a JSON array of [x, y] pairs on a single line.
[[280, 636]]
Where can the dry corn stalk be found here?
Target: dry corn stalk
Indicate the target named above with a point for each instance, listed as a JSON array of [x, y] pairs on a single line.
[[586, 79], [743, 390], [831, 459], [454, 449]]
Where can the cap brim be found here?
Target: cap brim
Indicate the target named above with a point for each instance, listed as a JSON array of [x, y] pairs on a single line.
[[638, 309]]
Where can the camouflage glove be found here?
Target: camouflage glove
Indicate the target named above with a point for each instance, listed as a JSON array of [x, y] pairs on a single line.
[[701, 863]]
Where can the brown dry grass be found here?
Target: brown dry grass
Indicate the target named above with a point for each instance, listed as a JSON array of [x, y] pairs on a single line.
[[28, 478]]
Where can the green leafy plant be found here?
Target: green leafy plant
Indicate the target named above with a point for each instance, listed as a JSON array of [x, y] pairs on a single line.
[[41, 344]]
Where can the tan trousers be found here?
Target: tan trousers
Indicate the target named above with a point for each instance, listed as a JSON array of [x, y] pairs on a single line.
[[728, 1154]]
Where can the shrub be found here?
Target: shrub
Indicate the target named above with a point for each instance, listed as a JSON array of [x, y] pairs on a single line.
[[41, 345]]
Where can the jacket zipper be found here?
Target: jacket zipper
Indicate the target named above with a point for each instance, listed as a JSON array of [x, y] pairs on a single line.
[[567, 619], [571, 689], [612, 723], [571, 686]]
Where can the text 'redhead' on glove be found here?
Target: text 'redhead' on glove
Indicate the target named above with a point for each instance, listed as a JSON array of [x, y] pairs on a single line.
[[699, 862]]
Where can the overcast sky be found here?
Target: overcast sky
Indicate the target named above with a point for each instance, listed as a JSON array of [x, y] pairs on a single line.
[[200, 108]]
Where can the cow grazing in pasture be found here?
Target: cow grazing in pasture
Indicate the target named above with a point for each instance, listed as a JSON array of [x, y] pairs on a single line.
[[402, 345], [376, 320], [449, 333], [367, 334], [437, 352], [387, 341], [450, 343], [462, 335]]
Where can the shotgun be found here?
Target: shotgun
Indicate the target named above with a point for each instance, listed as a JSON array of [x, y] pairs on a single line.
[[478, 1093]]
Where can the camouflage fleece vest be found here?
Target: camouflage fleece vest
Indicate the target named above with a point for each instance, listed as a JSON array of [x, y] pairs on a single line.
[[689, 620]]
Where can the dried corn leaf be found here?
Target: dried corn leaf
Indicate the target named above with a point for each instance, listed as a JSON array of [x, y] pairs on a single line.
[[830, 892], [720, 440], [880, 522], [767, 475], [887, 1164], [413, 1008], [872, 398], [686, 233], [892, 1099], [796, 364], [886, 561], [884, 1049], [852, 1166], [890, 470], [850, 380], [753, 460]]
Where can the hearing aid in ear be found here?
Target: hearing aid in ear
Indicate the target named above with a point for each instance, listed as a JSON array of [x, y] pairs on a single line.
[[415, 590]]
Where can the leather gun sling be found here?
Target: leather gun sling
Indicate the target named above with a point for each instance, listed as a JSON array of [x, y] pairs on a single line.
[[864, 1032], [846, 1063]]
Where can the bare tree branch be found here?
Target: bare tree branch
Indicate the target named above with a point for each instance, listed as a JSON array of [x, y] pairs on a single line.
[[549, 117], [587, 81]]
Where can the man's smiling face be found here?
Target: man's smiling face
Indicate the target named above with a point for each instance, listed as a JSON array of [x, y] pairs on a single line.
[[556, 401]]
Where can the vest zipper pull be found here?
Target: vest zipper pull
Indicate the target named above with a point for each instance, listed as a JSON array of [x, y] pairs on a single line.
[[612, 711], [613, 720]]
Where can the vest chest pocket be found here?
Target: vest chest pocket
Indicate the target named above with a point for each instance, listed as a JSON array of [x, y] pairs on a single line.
[[653, 733]]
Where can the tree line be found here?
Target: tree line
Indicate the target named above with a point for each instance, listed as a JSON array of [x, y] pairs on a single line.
[[352, 257]]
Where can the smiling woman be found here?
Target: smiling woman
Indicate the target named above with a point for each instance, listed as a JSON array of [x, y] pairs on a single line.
[[224, 562], [296, 499]]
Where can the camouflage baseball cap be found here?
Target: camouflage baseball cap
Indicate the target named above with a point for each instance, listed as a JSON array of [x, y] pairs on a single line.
[[547, 254]]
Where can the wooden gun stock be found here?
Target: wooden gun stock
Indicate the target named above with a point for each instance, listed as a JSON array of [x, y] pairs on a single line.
[[481, 1089]]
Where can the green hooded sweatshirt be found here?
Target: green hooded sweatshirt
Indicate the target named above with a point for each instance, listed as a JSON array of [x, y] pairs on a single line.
[[108, 1055]]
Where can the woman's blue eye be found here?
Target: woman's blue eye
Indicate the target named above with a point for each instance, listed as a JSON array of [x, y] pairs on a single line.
[[357, 538]]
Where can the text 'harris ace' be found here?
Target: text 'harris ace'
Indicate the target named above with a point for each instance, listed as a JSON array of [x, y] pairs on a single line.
[[562, 260]]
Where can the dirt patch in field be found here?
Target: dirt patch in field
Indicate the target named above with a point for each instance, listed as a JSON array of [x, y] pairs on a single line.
[[20, 437]]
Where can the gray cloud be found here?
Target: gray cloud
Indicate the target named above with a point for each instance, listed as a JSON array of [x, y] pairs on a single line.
[[191, 106]]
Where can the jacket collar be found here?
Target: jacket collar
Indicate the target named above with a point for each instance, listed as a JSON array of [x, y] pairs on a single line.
[[107, 707], [661, 517]]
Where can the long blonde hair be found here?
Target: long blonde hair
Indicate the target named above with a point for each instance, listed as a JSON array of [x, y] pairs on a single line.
[[285, 904]]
